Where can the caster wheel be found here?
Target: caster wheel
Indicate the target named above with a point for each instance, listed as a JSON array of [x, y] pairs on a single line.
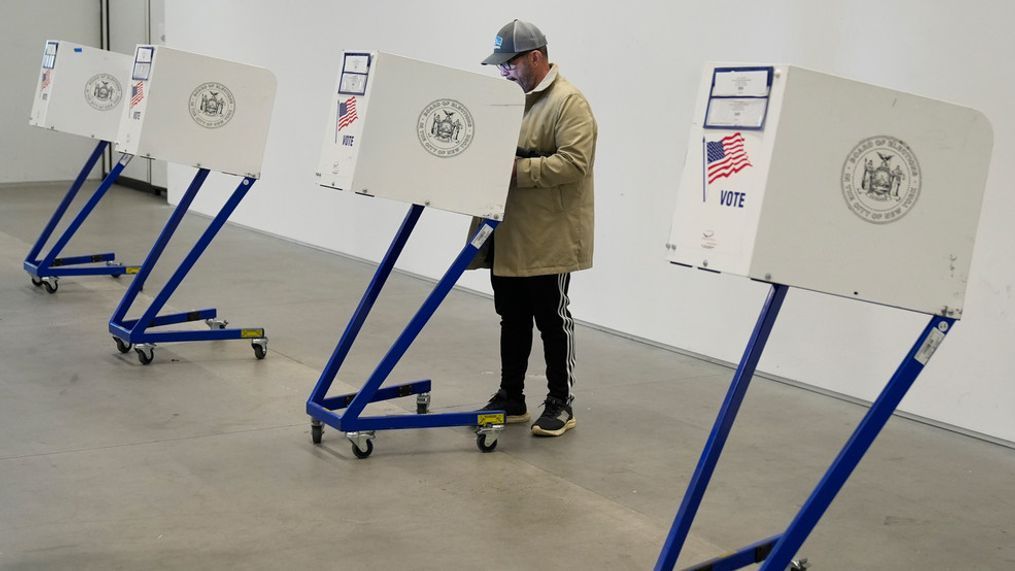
[[121, 346], [146, 357], [361, 454], [422, 409], [317, 434], [483, 446], [36, 282], [51, 287], [260, 351]]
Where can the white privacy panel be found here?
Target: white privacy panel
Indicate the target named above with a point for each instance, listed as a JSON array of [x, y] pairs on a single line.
[[197, 110], [421, 133], [819, 182], [80, 90]]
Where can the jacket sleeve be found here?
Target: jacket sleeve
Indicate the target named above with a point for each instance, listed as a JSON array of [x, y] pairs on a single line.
[[575, 137]]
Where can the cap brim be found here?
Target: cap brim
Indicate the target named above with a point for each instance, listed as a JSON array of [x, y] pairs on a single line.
[[497, 58]]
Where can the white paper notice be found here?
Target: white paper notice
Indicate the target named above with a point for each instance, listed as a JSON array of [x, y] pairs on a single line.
[[353, 83], [359, 63], [736, 113], [741, 84], [49, 57]]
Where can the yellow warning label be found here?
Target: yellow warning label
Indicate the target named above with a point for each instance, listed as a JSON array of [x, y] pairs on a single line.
[[251, 333], [485, 419], [131, 270]]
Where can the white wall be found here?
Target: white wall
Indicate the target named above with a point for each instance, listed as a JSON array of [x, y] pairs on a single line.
[[639, 65], [29, 154]]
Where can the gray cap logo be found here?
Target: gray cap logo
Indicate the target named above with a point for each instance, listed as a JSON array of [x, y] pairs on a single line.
[[445, 128], [881, 179], [212, 105], [103, 92]]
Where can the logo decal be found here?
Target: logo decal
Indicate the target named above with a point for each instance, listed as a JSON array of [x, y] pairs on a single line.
[[212, 105], [881, 179], [445, 128], [498, 42], [103, 92]]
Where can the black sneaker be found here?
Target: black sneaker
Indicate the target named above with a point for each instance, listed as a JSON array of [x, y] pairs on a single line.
[[557, 418], [513, 407]]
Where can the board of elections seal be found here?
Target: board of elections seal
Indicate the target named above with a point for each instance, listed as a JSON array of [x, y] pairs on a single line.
[[212, 105], [881, 179], [445, 128], [103, 92]]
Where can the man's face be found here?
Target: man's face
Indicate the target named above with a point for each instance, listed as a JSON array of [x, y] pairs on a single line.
[[519, 69]]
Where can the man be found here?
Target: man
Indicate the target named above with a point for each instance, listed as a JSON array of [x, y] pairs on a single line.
[[547, 229]]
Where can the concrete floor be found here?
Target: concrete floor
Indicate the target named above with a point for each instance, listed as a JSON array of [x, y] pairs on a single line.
[[203, 459]]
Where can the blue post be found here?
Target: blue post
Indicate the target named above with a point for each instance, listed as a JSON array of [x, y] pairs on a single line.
[[160, 245], [202, 244], [366, 304], [107, 183], [721, 429], [419, 320], [858, 444], [67, 199]]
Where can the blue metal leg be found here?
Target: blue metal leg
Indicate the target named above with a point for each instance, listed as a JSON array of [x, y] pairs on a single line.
[[202, 244], [85, 211], [321, 408], [365, 305], [721, 429], [411, 330], [858, 444], [160, 245], [67, 199]]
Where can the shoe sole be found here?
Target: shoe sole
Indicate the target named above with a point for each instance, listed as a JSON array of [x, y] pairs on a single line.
[[538, 431], [517, 418]]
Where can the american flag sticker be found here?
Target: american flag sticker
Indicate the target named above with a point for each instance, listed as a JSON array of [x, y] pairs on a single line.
[[346, 113], [47, 77], [725, 157], [136, 94]]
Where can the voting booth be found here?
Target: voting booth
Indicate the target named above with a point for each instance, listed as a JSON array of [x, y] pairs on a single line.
[[197, 110], [421, 133], [205, 112], [432, 136], [80, 91], [799, 178]]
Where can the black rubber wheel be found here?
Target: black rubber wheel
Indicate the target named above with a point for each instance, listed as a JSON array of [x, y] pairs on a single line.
[[51, 287], [363, 454], [422, 409], [36, 282], [146, 357], [317, 433], [481, 444], [121, 346], [259, 351]]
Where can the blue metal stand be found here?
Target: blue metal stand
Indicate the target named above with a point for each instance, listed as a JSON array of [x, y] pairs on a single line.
[[134, 333], [776, 553], [360, 429], [46, 271]]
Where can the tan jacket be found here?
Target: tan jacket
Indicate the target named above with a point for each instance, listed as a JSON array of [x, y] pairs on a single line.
[[548, 222]]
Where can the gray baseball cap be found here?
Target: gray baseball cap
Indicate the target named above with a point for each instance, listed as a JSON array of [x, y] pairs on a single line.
[[515, 38]]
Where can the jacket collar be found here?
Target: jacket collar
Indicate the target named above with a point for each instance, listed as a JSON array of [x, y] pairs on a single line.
[[551, 76]]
